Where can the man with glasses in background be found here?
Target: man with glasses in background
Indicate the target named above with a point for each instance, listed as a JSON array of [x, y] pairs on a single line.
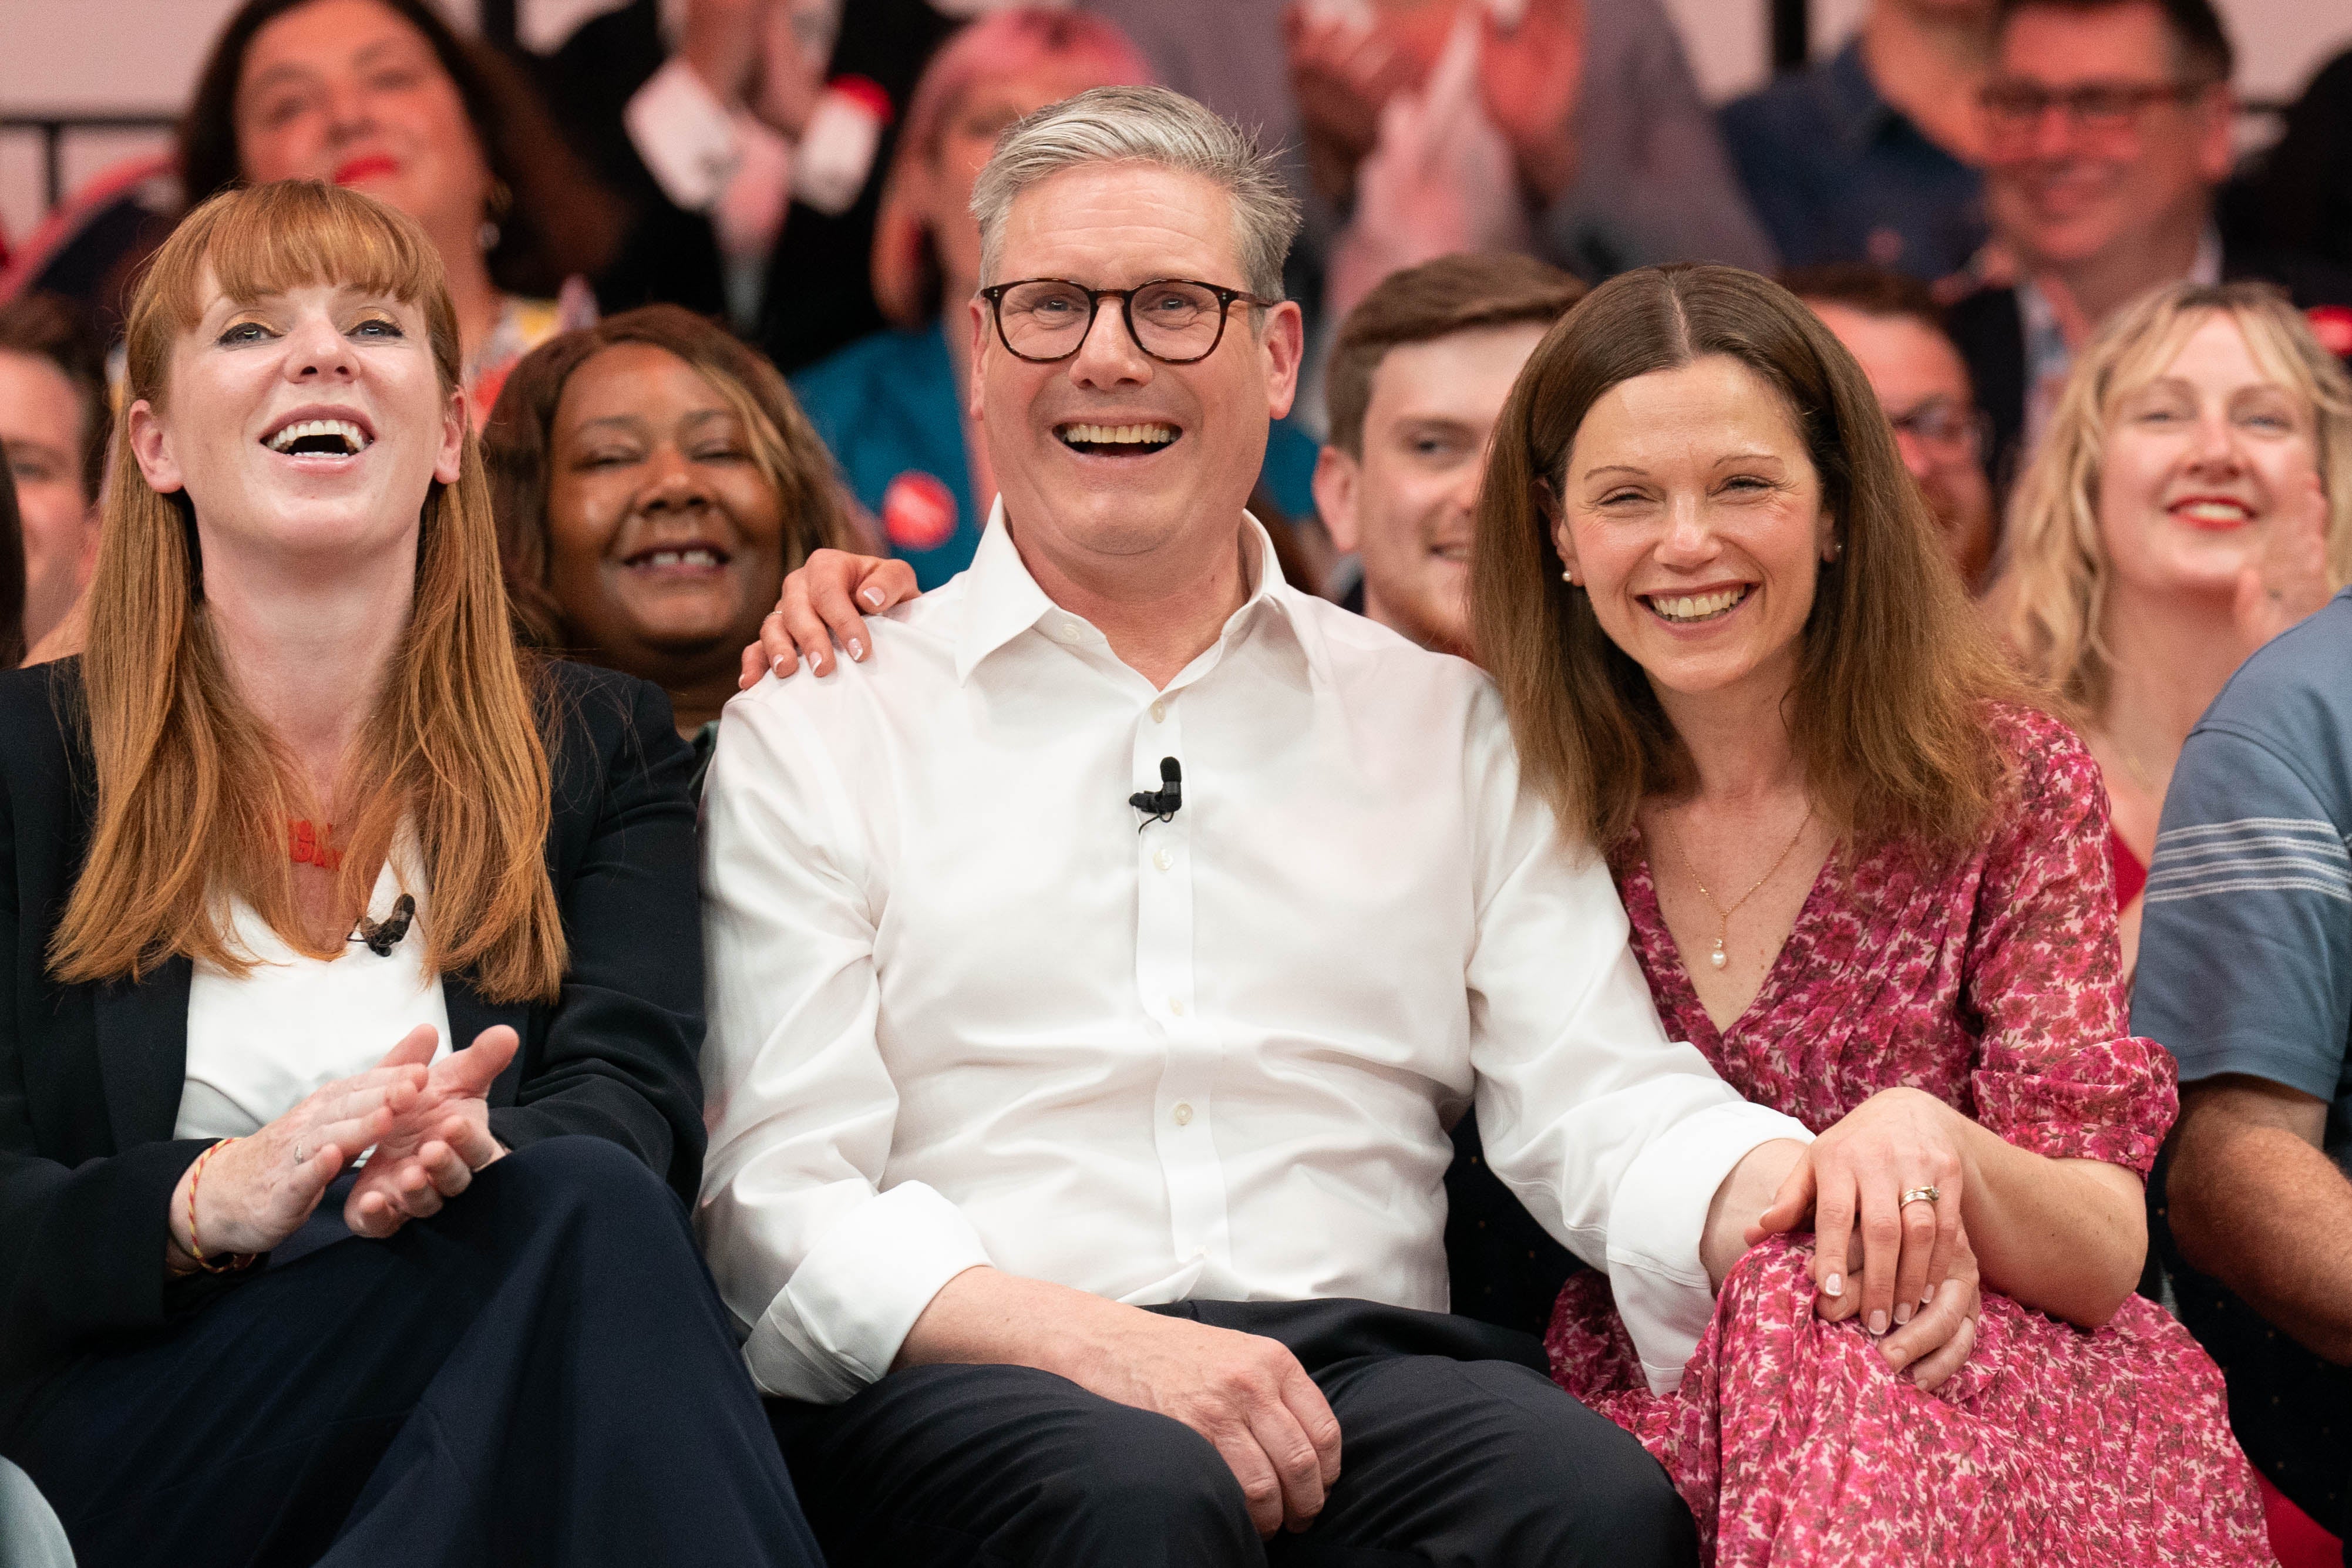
[[2107, 131], [1097, 959], [1892, 325]]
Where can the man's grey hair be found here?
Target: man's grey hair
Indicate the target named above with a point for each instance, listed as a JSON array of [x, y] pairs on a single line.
[[1143, 125]]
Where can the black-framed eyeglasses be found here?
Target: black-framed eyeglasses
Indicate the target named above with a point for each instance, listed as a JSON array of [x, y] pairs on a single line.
[[1942, 425], [1176, 321], [2015, 105]]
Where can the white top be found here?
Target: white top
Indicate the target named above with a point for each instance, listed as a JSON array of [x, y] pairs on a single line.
[[963, 1011], [258, 1046]]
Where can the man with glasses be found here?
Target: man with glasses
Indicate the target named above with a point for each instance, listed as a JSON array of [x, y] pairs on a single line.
[[1894, 329], [1097, 962], [2107, 131]]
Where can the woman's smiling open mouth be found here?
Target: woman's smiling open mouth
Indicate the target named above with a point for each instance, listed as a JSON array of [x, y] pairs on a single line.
[[1696, 609]]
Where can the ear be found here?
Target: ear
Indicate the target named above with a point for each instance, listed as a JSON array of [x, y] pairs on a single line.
[[1562, 540], [1336, 477], [1284, 343], [2216, 149], [151, 444], [1829, 541], [449, 461], [980, 347]]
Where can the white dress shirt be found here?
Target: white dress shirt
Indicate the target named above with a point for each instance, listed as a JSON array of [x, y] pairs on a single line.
[[257, 1046], [969, 1006]]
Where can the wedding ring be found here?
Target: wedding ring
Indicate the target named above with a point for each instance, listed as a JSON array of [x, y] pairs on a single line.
[[1920, 1195]]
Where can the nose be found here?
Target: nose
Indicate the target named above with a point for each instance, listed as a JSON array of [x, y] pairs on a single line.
[[1914, 455], [316, 350], [2216, 452], [348, 114], [1109, 357], [1689, 540], [673, 484], [2053, 133]]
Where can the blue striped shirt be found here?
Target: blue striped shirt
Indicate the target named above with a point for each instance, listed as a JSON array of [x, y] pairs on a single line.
[[2245, 956]]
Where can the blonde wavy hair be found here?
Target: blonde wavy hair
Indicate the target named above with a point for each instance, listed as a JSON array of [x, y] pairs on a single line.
[[194, 792], [2051, 590]]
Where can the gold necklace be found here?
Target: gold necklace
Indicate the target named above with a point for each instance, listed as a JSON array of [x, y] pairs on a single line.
[[1723, 916]]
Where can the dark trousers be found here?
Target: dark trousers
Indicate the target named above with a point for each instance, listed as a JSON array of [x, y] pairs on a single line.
[[1456, 1450], [541, 1374]]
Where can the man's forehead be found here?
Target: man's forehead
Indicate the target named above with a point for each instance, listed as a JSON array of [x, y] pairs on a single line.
[[2129, 40], [1457, 375], [1137, 220]]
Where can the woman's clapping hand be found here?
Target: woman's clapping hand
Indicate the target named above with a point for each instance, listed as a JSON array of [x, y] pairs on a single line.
[[438, 1140], [428, 1124]]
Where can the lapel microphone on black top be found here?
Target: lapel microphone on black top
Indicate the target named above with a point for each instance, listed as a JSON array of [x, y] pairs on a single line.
[[1161, 804]]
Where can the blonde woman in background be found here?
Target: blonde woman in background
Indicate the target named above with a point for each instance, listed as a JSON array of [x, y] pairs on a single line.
[[2192, 498]]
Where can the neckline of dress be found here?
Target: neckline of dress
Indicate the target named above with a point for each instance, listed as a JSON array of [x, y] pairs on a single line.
[[1649, 927]]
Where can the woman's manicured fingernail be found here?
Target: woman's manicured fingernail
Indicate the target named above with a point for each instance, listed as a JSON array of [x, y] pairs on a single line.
[[782, 668], [1833, 1286], [856, 650], [1903, 1312], [873, 596], [1877, 1322], [1929, 1299]]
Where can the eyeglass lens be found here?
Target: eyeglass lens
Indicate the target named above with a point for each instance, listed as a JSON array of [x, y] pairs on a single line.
[[2102, 106], [1173, 320]]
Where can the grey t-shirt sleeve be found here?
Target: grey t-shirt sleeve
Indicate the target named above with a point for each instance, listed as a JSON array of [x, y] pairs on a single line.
[[2245, 947]]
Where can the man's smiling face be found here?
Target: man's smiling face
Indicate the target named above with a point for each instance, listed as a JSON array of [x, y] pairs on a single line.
[[1111, 453]]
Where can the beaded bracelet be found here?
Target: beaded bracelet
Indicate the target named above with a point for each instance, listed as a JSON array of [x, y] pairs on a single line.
[[196, 1247]]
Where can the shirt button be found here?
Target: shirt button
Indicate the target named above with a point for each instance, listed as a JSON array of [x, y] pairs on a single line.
[[1183, 1113], [1163, 859], [1176, 1006], [1071, 632], [1159, 712]]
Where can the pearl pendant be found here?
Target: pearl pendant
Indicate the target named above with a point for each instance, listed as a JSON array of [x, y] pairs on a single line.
[[1718, 957]]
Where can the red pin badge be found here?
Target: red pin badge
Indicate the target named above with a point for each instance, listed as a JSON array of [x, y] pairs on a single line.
[[2332, 325], [918, 512]]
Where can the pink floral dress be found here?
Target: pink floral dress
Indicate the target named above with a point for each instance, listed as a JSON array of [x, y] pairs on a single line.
[[1992, 983]]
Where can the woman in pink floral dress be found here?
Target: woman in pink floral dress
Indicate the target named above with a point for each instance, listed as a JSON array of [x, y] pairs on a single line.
[[1867, 878]]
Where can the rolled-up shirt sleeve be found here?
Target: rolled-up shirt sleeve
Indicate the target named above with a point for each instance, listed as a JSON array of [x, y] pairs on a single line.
[[1615, 1137], [825, 1270]]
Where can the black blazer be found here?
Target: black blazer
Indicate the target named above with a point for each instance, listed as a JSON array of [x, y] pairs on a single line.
[[91, 1075], [1990, 330]]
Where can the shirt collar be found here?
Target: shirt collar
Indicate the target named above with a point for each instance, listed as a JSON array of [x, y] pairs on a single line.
[[1001, 600]]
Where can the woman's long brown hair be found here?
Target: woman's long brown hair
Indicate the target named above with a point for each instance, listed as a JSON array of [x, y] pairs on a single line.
[[1887, 714], [194, 792]]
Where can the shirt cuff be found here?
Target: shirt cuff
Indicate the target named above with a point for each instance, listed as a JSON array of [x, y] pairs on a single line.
[[837, 1325], [1656, 1220], [685, 135]]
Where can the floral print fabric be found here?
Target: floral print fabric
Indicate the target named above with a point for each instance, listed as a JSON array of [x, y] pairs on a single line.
[[1992, 982]]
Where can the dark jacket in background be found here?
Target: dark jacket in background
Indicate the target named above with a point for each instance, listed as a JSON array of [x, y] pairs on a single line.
[[819, 294], [1990, 328], [91, 1075]]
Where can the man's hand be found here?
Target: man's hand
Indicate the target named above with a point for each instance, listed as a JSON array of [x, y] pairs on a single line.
[[1245, 1394], [1933, 1345], [1530, 76], [1741, 1197], [722, 40], [819, 607], [432, 1150]]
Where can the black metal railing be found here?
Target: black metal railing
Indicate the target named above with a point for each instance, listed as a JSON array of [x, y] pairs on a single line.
[[54, 126]]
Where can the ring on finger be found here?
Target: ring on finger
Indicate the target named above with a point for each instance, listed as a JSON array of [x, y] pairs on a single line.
[[1920, 1195], [302, 1154]]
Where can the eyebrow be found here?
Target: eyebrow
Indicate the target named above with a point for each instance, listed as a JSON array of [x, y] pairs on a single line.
[[636, 422]]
